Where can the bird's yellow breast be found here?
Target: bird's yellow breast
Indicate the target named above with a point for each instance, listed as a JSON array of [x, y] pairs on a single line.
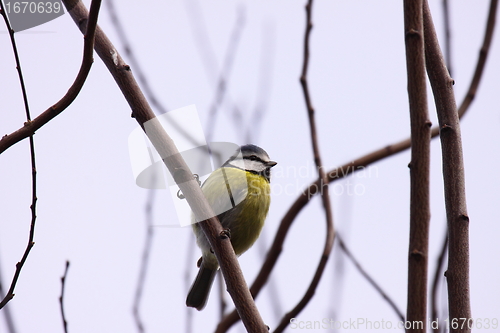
[[251, 195]]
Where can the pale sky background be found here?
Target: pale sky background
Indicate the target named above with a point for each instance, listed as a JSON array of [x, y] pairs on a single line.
[[91, 212]]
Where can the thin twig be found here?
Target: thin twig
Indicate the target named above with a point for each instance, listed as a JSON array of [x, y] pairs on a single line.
[[481, 61], [367, 276], [275, 302], [447, 35], [457, 273], [222, 293], [135, 64], [435, 284], [10, 294], [141, 75], [9, 321], [224, 75], [264, 84], [206, 49], [361, 163], [330, 232], [61, 298], [200, 30], [19, 265], [187, 281], [31, 126], [148, 242], [143, 114]]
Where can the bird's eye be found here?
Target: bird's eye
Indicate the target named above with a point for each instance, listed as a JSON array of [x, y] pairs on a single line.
[[253, 158]]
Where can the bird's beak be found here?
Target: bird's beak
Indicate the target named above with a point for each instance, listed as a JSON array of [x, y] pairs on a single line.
[[270, 164]]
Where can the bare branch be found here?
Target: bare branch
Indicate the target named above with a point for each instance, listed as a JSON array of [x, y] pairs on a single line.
[[435, 283], [453, 174], [367, 276], [481, 61], [187, 281], [264, 83], [419, 166], [447, 35], [61, 298], [148, 242], [179, 170], [222, 292], [9, 321], [31, 126], [223, 79], [323, 179], [129, 51]]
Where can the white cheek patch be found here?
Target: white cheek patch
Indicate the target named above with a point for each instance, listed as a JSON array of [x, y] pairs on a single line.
[[238, 163], [254, 165], [247, 164]]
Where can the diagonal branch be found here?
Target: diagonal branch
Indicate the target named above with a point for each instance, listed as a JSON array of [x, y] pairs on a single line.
[[367, 276], [129, 51], [31, 126], [222, 81], [453, 175], [324, 189], [179, 170]]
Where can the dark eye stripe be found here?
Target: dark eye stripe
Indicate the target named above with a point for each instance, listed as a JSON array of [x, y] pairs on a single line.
[[253, 158]]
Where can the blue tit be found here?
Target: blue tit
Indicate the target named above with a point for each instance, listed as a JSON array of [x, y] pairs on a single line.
[[246, 176]]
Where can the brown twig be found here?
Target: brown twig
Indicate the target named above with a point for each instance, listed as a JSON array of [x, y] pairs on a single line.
[[481, 61], [223, 79], [264, 84], [141, 75], [201, 36], [148, 242], [367, 276], [61, 298], [222, 293], [179, 170], [330, 232], [447, 35], [187, 282], [20, 264], [135, 64], [457, 273], [30, 127], [435, 284], [416, 310], [9, 320], [358, 164]]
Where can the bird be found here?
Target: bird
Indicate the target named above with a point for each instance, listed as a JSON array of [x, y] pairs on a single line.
[[246, 177]]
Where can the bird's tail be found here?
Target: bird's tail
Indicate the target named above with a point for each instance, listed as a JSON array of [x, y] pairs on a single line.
[[198, 294]]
